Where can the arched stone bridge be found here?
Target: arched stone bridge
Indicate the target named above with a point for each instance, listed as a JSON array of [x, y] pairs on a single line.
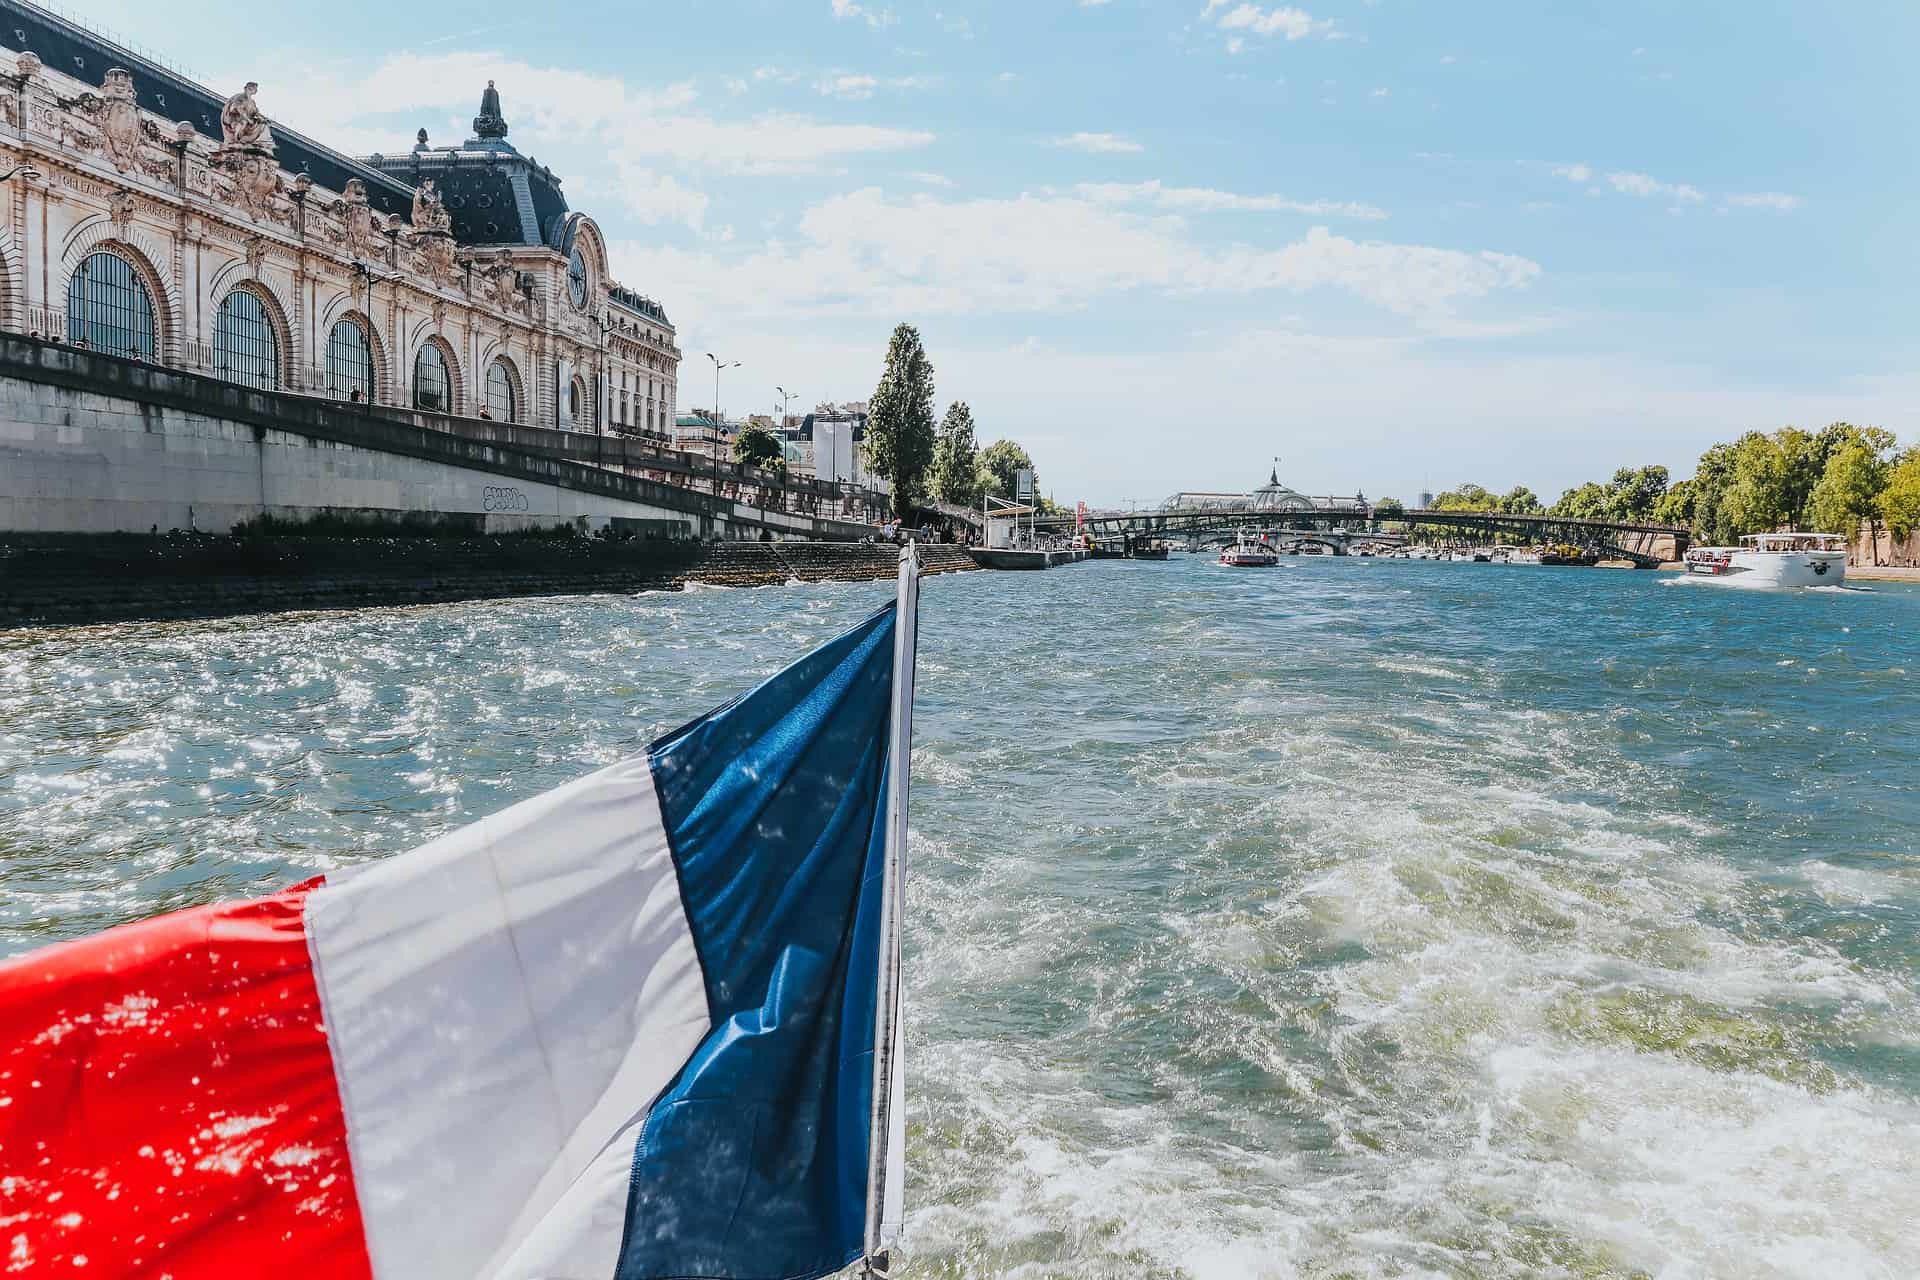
[[1644, 544]]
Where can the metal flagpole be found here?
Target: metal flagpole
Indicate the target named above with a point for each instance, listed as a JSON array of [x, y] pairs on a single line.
[[892, 900]]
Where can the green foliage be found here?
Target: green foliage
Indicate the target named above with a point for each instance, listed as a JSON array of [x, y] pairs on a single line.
[[1765, 477], [1389, 508], [759, 447], [998, 465], [1676, 505], [1711, 480], [1848, 490], [1632, 495], [900, 430], [1589, 502], [955, 476], [1468, 497], [1520, 501], [1899, 503]]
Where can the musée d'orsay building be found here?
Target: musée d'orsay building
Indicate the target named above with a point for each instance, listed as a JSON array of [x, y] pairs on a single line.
[[148, 217]]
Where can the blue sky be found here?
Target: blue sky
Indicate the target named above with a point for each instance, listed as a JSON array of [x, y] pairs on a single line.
[[1400, 245]]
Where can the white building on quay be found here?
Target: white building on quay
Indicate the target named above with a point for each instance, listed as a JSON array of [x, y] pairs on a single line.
[[145, 216]]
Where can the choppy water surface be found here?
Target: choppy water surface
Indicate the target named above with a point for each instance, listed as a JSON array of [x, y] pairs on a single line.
[[1345, 919]]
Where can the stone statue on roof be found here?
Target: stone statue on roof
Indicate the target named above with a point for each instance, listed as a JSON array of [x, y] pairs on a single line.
[[490, 123], [429, 210], [241, 122]]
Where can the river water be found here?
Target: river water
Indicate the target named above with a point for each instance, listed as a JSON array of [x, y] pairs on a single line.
[[1347, 919]]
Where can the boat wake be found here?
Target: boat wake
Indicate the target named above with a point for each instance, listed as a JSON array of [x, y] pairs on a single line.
[[1744, 584]]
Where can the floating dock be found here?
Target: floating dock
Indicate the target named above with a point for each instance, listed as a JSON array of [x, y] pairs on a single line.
[[1008, 558]]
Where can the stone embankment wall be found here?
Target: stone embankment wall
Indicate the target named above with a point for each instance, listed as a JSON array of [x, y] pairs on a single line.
[[95, 444], [54, 580], [1873, 544]]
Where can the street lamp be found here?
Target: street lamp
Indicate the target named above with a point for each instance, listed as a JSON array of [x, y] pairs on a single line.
[[786, 398], [24, 169], [718, 365]]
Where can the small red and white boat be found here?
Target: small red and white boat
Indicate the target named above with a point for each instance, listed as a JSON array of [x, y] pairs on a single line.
[[1244, 554]]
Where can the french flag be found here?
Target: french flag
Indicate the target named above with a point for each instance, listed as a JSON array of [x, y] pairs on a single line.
[[641, 1026]]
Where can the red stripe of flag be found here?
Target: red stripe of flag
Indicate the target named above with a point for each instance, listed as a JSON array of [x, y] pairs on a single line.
[[168, 1105]]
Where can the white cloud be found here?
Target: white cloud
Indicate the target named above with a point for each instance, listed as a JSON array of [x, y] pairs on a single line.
[[930, 179], [857, 88], [1283, 20], [1639, 184], [1207, 200], [1573, 172], [1097, 143], [1778, 201], [863, 254], [843, 9], [1380, 93], [1093, 4], [854, 87]]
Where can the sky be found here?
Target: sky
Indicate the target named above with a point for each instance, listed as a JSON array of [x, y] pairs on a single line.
[[1398, 245]]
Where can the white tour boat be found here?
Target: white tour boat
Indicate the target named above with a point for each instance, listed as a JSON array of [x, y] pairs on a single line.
[[1523, 555], [1246, 554], [1775, 560]]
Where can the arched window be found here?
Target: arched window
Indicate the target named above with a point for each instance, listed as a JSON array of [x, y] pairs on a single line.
[[108, 308], [432, 385], [500, 391], [577, 401], [349, 361], [245, 348]]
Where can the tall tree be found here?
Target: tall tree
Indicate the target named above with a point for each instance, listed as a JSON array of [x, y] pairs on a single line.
[[759, 447], [1765, 478], [1848, 490], [1000, 464], [956, 458], [900, 418], [1633, 492], [1899, 502], [1520, 501], [1677, 505], [1468, 497], [1590, 501]]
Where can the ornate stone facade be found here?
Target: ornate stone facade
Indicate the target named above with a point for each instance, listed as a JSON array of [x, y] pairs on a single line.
[[159, 220]]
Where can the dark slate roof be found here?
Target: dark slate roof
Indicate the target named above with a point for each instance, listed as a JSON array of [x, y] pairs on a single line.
[[494, 195], [634, 302], [481, 188], [73, 50]]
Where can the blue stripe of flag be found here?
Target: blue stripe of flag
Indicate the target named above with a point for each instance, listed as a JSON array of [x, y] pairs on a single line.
[[752, 1164]]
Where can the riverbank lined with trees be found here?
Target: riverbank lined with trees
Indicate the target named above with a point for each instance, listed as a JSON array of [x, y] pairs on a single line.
[[1832, 480]]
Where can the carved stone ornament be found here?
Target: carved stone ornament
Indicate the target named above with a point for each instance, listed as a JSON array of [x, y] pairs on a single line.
[[436, 256], [120, 207], [439, 313], [429, 210], [357, 216], [27, 64], [502, 282], [255, 180], [118, 118], [256, 255]]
